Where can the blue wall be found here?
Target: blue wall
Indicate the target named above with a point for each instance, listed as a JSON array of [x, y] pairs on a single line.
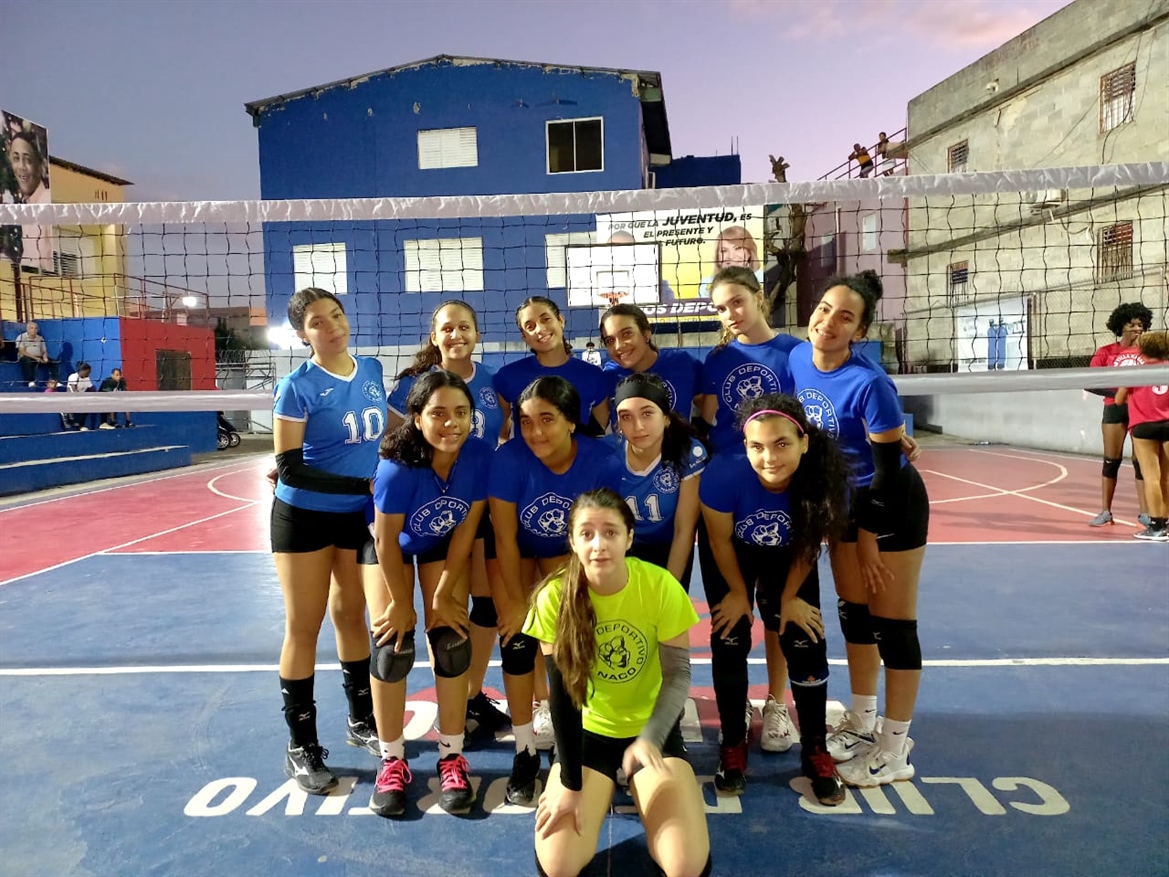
[[700, 170], [96, 340]]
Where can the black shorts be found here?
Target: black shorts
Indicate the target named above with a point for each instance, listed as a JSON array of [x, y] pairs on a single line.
[[1153, 430], [299, 531], [906, 524], [603, 754], [658, 553], [368, 553], [1115, 414]]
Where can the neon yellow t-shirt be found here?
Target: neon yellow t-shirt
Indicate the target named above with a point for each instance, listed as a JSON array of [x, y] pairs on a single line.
[[627, 670]]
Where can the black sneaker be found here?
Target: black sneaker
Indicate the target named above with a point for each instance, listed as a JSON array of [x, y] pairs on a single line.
[[730, 778], [457, 793], [521, 785], [485, 718], [306, 765], [389, 790], [820, 767], [363, 735]]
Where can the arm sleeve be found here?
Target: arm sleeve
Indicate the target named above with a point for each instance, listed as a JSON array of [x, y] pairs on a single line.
[[671, 697], [294, 473], [569, 727], [886, 465]]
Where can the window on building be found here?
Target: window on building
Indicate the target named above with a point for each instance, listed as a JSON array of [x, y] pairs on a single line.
[[444, 265], [448, 147], [321, 265], [827, 250], [576, 146], [554, 257], [959, 282], [869, 237], [956, 159], [1114, 252], [1118, 91], [68, 257]]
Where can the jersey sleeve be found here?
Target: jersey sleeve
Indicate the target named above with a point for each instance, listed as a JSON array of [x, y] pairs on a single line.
[[676, 613], [480, 459], [397, 399], [881, 406], [696, 460], [503, 382], [288, 403], [717, 490], [502, 482], [393, 488], [541, 620]]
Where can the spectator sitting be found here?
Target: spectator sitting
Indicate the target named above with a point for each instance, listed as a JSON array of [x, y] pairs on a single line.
[[115, 383], [32, 350], [80, 382], [52, 386], [591, 354], [861, 156]]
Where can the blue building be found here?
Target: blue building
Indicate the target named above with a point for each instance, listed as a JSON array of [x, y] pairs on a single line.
[[455, 126]]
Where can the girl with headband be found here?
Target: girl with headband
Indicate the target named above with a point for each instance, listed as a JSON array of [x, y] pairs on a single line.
[[663, 462], [766, 513], [877, 562]]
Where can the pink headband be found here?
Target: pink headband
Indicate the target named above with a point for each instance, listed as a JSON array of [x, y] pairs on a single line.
[[767, 411]]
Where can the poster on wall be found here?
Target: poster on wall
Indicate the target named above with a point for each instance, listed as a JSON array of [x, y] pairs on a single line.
[[24, 179], [693, 244], [992, 336]]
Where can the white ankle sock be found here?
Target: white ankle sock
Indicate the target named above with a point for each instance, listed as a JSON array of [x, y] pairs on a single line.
[[864, 707], [893, 736], [525, 737], [396, 749], [450, 744]]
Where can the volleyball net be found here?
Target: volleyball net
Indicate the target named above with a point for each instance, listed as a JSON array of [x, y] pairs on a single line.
[[984, 273]]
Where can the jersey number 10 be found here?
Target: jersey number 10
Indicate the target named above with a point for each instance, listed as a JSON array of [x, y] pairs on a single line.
[[372, 418]]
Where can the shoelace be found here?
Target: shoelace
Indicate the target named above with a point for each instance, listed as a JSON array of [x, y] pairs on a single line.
[[775, 721], [823, 764], [733, 757], [393, 776], [453, 772], [315, 756]]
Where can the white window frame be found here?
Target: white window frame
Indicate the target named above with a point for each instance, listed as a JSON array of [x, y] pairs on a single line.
[[548, 144], [870, 237], [69, 254], [448, 147], [323, 265], [555, 258], [444, 265]]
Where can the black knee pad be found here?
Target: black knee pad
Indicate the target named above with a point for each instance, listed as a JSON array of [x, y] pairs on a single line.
[[518, 657], [483, 612], [897, 641], [807, 661], [451, 652], [856, 625], [390, 666], [1136, 468], [1111, 468], [736, 646]]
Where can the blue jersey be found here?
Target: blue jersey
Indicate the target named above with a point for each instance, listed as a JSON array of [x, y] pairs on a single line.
[[731, 485], [653, 494], [744, 371], [541, 497], [593, 384], [486, 419], [343, 417], [849, 403], [679, 371], [433, 507]]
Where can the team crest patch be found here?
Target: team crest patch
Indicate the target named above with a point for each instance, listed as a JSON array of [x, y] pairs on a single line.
[[438, 517], [666, 480], [768, 528], [547, 515], [748, 381], [487, 398], [622, 651], [372, 391], [819, 409]]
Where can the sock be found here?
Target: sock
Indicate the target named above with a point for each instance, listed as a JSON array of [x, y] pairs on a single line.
[[1158, 523], [355, 681], [525, 738], [450, 744], [300, 711], [811, 706], [864, 707], [397, 749], [893, 736]]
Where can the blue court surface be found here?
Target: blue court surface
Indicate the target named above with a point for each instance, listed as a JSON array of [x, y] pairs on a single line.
[[141, 721]]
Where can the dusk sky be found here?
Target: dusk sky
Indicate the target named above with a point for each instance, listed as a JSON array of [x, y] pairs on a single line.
[[154, 91]]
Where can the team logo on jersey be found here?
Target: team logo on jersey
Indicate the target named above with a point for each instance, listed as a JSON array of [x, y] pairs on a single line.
[[439, 516], [478, 423], [372, 391], [769, 528], [622, 651], [748, 381], [487, 398], [1127, 359], [819, 409], [547, 515], [666, 480]]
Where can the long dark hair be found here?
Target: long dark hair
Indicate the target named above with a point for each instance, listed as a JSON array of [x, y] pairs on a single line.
[[819, 487], [428, 356], [406, 444], [628, 310], [552, 306], [557, 392], [300, 301], [866, 284], [678, 433], [739, 276], [575, 644]]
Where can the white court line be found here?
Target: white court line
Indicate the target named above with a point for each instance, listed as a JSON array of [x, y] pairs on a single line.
[[212, 551], [1128, 541], [211, 486], [423, 665]]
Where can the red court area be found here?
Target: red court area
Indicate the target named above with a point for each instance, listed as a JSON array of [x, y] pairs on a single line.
[[982, 494]]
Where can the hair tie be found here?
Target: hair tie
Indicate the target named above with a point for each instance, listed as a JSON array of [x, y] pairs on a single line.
[[783, 414]]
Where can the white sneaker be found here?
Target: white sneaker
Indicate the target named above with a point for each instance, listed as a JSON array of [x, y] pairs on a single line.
[[878, 767], [107, 426], [778, 731], [32, 383], [849, 739], [542, 726]]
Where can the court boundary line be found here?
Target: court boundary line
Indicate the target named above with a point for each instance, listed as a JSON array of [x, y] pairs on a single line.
[[955, 663]]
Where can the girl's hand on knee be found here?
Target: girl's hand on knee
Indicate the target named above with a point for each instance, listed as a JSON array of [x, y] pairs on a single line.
[[641, 753], [876, 575], [555, 805], [398, 620], [449, 612], [726, 613], [802, 614], [511, 620]]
